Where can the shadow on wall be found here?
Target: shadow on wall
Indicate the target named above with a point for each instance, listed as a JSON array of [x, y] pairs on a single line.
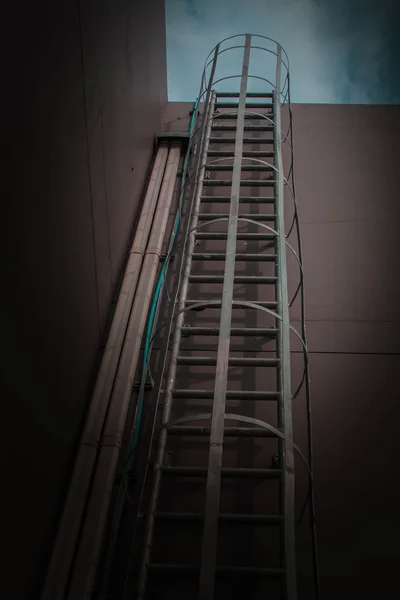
[[78, 157]]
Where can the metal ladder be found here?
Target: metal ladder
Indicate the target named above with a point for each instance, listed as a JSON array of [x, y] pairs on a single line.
[[223, 477]]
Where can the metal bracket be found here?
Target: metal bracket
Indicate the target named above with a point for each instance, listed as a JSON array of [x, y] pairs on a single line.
[[275, 461], [164, 256], [183, 333], [147, 386], [173, 136]]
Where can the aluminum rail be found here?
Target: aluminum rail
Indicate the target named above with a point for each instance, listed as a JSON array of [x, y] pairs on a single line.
[[70, 522], [93, 529], [149, 526], [210, 530], [287, 496]]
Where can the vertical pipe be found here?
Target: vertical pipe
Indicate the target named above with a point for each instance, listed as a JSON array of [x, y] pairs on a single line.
[[148, 534], [90, 545], [285, 413], [210, 530], [68, 530]]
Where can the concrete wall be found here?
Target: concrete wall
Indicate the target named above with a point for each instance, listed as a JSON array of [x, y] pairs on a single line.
[[84, 90], [347, 163]]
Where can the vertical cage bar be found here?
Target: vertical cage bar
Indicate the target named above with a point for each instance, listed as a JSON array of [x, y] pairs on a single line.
[[285, 411], [210, 531]]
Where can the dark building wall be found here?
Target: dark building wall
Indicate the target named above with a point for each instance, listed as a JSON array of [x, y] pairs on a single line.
[[346, 164], [347, 161], [84, 91]]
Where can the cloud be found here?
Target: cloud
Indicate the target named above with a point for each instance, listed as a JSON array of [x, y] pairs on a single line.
[[339, 51]]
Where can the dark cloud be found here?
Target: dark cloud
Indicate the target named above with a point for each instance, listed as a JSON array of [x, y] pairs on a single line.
[[340, 51]]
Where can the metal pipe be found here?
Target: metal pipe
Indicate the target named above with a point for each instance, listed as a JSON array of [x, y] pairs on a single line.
[[70, 522], [90, 545], [175, 349]]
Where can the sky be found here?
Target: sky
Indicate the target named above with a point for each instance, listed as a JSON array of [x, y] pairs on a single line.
[[340, 51]]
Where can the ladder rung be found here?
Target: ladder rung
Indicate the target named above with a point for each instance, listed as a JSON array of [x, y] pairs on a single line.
[[245, 154], [246, 140], [232, 362], [231, 518], [248, 105], [243, 182], [264, 303], [248, 117], [169, 569], [248, 95], [220, 167], [245, 257], [252, 216], [246, 128], [213, 235], [230, 394], [244, 199], [225, 472], [236, 331], [248, 432], [256, 279]]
